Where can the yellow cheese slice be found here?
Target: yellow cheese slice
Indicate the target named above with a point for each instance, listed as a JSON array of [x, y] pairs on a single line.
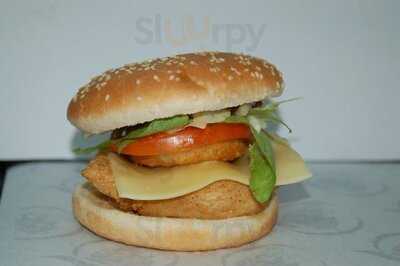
[[141, 183], [290, 166]]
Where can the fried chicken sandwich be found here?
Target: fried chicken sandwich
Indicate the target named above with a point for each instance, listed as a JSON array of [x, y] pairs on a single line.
[[189, 164]]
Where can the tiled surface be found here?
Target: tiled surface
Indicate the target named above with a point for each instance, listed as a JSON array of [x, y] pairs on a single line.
[[348, 214]]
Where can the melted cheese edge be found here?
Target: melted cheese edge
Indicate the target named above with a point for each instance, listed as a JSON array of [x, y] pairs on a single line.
[[141, 183]]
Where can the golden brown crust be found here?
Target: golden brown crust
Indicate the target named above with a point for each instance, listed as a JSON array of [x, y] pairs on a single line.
[[94, 212], [183, 84], [218, 200], [223, 151], [99, 173]]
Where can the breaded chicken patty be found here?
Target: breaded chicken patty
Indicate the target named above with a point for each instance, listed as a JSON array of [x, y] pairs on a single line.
[[219, 200]]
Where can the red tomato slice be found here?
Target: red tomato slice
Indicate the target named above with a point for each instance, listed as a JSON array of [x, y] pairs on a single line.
[[187, 138]]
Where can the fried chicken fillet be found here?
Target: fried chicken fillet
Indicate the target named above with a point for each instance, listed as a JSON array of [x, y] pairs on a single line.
[[219, 200]]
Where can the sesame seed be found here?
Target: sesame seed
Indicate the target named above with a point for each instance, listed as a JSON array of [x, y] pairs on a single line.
[[237, 72], [230, 77], [214, 69], [95, 78], [156, 78], [139, 98], [214, 59], [257, 75], [169, 71], [258, 68], [272, 72], [107, 97], [277, 84], [179, 71], [137, 81], [178, 79], [171, 77], [266, 65], [193, 62]]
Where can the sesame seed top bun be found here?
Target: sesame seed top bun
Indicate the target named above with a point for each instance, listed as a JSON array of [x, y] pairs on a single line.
[[182, 84]]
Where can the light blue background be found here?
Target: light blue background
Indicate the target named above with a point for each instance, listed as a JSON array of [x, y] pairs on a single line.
[[341, 56]]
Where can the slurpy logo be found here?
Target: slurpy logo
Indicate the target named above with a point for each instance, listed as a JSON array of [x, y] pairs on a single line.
[[160, 30]]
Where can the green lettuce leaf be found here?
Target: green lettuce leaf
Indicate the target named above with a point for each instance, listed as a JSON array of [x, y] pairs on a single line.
[[264, 145], [155, 126], [269, 113], [257, 116], [237, 119], [262, 161], [271, 107], [99, 147], [275, 118], [263, 177], [158, 125]]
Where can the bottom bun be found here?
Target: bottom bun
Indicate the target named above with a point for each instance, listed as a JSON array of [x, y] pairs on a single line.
[[96, 213]]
